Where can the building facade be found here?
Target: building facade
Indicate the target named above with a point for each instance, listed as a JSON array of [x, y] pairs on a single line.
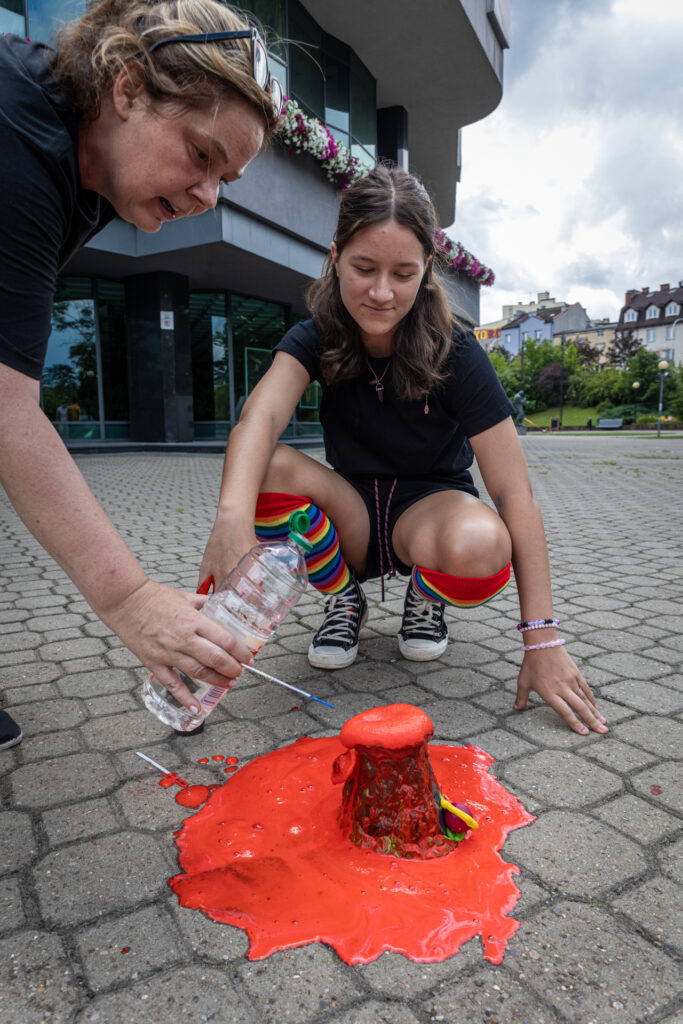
[[656, 319], [160, 338]]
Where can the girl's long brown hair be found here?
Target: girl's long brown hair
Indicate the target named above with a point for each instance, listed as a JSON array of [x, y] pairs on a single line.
[[423, 338]]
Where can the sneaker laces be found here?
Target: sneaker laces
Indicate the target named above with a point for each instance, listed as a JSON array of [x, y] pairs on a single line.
[[342, 612], [420, 613]]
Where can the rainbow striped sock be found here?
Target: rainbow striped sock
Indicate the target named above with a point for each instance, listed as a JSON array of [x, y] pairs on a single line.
[[461, 591], [327, 570]]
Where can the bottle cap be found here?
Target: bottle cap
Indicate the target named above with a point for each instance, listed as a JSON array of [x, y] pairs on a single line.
[[298, 524]]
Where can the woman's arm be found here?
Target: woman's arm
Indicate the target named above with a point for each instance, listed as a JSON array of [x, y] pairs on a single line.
[[550, 672], [264, 417], [162, 626]]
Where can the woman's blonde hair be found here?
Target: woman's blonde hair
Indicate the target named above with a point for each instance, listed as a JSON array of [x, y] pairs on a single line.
[[92, 51]]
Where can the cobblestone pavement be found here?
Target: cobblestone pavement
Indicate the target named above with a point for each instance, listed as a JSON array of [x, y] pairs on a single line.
[[86, 843]]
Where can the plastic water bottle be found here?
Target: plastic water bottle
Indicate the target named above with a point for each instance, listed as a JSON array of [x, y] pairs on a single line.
[[251, 602]]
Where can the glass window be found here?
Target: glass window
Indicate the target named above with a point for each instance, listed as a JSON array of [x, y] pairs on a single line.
[[363, 111], [70, 395], [537, 335], [12, 17], [257, 326], [672, 309], [651, 334], [211, 367], [45, 17], [670, 332], [630, 315], [652, 313], [269, 16], [337, 95], [113, 361], [306, 77]]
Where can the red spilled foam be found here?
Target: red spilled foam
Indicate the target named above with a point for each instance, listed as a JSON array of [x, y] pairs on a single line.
[[267, 854]]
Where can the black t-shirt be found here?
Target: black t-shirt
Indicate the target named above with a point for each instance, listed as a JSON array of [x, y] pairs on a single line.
[[396, 438], [45, 213]]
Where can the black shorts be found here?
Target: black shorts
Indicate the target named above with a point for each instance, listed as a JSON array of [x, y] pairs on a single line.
[[385, 507]]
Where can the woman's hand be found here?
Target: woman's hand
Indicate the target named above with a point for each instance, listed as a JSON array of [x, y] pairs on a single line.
[[166, 630], [552, 674]]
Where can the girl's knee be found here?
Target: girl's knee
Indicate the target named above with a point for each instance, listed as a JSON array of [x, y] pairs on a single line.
[[478, 546]]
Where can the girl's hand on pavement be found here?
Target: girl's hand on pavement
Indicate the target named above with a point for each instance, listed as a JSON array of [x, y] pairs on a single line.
[[165, 629], [552, 674]]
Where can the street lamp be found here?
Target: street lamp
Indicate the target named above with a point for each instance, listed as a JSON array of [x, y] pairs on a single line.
[[662, 366], [636, 389]]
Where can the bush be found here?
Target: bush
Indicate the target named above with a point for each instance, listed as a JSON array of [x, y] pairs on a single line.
[[627, 413]]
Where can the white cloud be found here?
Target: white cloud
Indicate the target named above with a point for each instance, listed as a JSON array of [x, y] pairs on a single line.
[[575, 184]]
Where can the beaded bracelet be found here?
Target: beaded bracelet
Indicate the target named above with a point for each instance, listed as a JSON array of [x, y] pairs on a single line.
[[540, 647], [538, 624]]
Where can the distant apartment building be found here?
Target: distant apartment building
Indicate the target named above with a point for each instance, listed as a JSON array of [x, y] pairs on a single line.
[[599, 335], [551, 323], [656, 319]]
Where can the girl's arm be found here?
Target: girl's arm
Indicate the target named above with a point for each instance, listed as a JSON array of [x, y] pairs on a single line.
[[264, 417], [550, 672]]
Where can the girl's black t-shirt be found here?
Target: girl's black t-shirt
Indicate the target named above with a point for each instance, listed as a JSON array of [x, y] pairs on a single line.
[[397, 438], [45, 213]]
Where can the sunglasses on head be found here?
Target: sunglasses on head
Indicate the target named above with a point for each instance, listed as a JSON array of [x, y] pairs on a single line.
[[259, 56]]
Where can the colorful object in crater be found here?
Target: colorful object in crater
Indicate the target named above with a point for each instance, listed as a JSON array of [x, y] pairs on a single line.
[[270, 852]]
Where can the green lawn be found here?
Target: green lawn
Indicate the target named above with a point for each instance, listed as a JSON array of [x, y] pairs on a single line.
[[572, 416]]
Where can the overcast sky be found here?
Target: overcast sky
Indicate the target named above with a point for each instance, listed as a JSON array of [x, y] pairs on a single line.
[[574, 184]]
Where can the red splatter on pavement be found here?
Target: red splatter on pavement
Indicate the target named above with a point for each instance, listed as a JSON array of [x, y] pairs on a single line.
[[193, 796], [203, 760], [230, 768], [171, 780], [126, 949], [231, 760], [295, 877], [218, 757], [655, 790]]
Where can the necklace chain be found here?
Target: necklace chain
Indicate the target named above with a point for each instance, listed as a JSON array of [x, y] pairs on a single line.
[[377, 381]]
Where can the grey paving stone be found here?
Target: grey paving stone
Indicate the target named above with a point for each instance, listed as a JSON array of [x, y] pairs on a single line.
[[11, 908], [572, 854], [185, 994], [17, 841], [299, 985], [392, 974], [62, 650], [146, 804], [37, 983], [61, 780], [128, 947], [489, 998], [19, 641], [660, 735], [638, 818], [657, 906], [95, 684], [29, 694], [114, 732], [622, 757], [210, 940], [378, 1013], [540, 725], [29, 675], [88, 818], [48, 745], [663, 783], [111, 704], [578, 960], [501, 744], [88, 879], [561, 779], [455, 683], [671, 859], [49, 715], [629, 666], [645, 696]]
